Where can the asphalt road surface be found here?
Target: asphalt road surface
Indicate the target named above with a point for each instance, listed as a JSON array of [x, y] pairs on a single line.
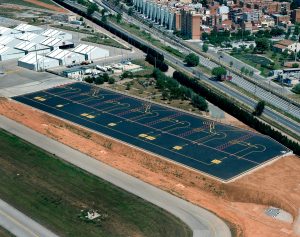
[[203, 223], [19, 224]]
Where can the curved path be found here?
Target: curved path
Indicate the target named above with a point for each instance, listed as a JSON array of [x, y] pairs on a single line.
[[202, 222]]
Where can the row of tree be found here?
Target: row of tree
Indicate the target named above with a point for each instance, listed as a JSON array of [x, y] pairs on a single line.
[[100, 79], [157, 62], [172, 89], [232, 108]]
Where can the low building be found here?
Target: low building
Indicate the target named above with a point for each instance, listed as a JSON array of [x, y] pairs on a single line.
[[7, 53], [36, 62], [91, 52], [28, 47], [291, 46], [8, 31], [66, 57], [55, 43], [9, 41], [31, 37], [57, 34], [28, 28], [74, 73]]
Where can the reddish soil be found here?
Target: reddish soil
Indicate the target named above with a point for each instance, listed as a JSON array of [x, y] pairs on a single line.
[[48, 6], [241, 202]]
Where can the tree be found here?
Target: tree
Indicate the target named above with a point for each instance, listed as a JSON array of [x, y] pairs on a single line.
[[204, 48], [105, 77], [111, 80], [199, 102], [296, 30], [103, 11], [262, 44], [119, 17], [192, 60], [259, 109], [219, 72], [99, 80], [89, 79], [295, 65], [296, 89], [130, 11], [92, 8]]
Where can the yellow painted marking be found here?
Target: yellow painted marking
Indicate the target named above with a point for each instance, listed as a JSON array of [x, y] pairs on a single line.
[[90, 116], [215, 161], [112, 124], [150, 138], [143, 135], [84, 114], [177, 148], [42, 99], [37, 98], [59, 106]]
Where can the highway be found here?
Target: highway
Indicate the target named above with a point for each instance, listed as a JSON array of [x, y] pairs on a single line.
[[202, 222], [257, 89], [241, 82], [273, 115], [19, 224]]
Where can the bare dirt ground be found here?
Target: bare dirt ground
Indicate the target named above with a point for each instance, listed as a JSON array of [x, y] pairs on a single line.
[[48, 6], [241, 203]]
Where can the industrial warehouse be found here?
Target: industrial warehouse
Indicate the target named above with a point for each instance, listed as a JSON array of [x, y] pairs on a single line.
[[40, 49]]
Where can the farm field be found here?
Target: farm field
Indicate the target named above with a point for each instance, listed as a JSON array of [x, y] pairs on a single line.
[[53, 191]]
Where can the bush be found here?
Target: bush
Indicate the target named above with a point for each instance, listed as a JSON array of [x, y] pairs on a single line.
[[296, 89], [259, 108], [89, 79], [192, 60], [111, 80]]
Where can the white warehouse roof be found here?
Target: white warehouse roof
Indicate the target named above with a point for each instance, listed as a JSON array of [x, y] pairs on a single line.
[[29, 46], [7, 53], [60, 54], [66, 57], [32, 37], [28, 28], [91, 52], [7, 31], [37, 62], [57, 34], [9, 41], [55, 42]]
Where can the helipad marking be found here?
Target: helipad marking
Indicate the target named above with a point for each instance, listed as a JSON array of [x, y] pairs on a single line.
[[150, 138], [177, 148], [216, 162], [143, 135]]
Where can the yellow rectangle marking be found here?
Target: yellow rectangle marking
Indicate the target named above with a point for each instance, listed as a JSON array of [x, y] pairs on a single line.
[[59, 106], [150, 138], [177, 148], [84, 114], [112, 124], [215, 161], [42, 99], [37, 98], [90, 116], [143, 135]]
